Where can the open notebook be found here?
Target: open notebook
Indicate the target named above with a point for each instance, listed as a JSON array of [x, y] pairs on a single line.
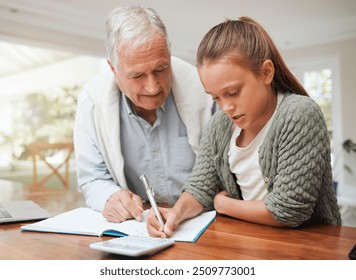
[[85, 221]]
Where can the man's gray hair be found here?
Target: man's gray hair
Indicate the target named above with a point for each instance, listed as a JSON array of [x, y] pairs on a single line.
[[130, 27]]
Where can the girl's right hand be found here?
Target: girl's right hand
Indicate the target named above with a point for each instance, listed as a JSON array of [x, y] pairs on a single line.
[[169, 215]]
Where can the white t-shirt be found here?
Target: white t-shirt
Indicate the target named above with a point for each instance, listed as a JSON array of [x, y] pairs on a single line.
[[244, 162]]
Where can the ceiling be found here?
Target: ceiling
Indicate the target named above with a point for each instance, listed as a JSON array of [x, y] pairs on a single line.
[[78, 25]]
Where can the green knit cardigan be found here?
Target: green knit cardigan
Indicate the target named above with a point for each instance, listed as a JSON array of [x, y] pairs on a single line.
[[294, 159]]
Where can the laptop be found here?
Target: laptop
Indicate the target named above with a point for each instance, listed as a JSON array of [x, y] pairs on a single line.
[[22, 210]]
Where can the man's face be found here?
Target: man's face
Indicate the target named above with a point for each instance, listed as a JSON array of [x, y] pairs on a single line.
[[144, 75]]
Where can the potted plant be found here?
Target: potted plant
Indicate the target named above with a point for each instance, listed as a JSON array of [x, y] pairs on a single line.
[[349, 147]]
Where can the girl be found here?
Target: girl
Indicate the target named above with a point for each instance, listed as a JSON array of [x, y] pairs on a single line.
[[265, 157]]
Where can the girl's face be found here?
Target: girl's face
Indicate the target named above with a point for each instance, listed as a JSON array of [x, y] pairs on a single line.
[[246, 98]]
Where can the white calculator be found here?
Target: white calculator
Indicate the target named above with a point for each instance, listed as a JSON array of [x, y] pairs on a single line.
[[133, 245]]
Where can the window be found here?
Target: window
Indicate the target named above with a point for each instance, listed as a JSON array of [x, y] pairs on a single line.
[[318, 84], [38, 95], [320, 77]]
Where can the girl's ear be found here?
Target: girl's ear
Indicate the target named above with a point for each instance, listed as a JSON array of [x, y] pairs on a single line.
[[268, 71]]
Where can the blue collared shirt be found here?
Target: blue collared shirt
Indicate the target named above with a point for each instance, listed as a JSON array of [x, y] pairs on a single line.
[[160, 151]]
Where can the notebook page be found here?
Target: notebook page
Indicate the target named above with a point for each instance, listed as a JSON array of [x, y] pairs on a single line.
[[190, 230], [85, 221]]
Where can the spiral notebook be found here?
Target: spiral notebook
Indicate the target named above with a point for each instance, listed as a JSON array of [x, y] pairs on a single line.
[[85, 221]]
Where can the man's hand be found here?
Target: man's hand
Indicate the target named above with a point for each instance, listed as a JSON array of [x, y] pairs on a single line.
[[123, 205]]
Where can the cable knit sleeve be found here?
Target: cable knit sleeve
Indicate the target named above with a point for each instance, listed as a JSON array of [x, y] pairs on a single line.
[[295, 159], [204, 181]]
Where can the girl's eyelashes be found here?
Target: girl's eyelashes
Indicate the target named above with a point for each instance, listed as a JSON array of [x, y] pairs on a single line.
[[226, 94], [233, 93]]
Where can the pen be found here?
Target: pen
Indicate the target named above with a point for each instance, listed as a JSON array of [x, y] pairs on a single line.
[[150, 194]]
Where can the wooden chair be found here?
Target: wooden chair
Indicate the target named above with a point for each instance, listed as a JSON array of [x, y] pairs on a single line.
[[40, 150]]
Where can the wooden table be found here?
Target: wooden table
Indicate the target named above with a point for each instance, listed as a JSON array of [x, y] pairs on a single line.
[[226, 238]]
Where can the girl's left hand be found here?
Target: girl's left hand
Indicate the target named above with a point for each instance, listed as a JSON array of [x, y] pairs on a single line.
[[220, 201]]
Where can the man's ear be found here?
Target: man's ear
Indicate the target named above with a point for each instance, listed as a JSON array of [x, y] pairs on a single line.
[[111, 67], [268, 71]]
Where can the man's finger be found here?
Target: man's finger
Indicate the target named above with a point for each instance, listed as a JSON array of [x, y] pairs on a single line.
[[130, 205], [138, 201]]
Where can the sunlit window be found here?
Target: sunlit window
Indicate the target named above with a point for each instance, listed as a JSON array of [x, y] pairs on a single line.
[[319, 84], [38, 96]]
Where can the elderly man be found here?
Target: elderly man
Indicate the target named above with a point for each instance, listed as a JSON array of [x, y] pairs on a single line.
[[146, 117]]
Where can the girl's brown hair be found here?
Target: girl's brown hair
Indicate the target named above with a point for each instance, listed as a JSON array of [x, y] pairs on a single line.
[[245, 42]]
